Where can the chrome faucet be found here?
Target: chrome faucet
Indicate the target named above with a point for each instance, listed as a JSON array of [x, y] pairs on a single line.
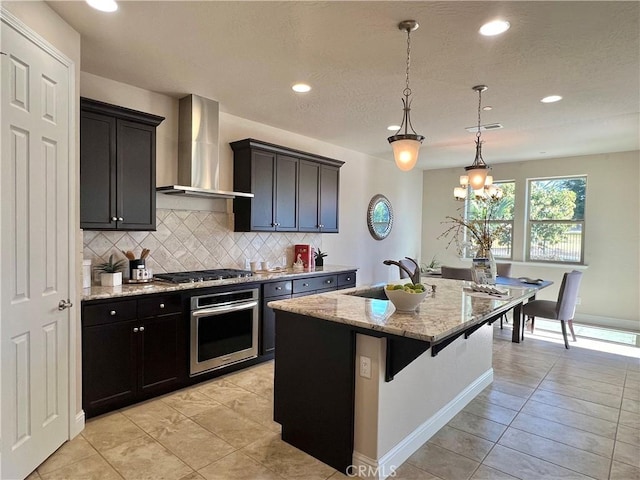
[[415, 275]]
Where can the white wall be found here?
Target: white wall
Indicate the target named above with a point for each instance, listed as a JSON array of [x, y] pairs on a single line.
[[40, 18], [361, 177], [611, 281]]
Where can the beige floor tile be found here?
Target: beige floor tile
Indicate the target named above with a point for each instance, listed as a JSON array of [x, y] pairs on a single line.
[[558, 453], [478, 426], [190, 402], [231, 426], [487, 473], [496, 397], [577, 405], [33, 476], [70, 452], [512, 388], [110, 430], [406, 471], [623, 471], [517, 378], [257, 408], [609, 400], [628, 435], [222, 390], [286, 460], [630, 419], [191, 443], [574, 437], [570, 418], [259, 382], [490, 411], [238, 466], [526, 467], [143, 458], [153, 415], [585, 383], [443, 463], [613, 377], [464, 443], [193, 476], [632, 391], [90, 468], [627, 453], [631, 405]]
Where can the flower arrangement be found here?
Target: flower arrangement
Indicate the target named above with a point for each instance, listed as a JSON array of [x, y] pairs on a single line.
[[478, 229]]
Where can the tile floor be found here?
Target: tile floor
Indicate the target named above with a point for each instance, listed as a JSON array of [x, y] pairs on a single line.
[[550, 413]]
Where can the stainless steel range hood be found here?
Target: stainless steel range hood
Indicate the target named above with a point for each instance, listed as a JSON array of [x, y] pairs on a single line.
[[198, 163]]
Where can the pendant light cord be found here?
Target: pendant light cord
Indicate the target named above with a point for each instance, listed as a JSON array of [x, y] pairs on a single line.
[[407, 90], [478, 134]]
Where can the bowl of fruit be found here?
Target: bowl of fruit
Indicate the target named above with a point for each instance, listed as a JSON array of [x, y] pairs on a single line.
[[406, 297]]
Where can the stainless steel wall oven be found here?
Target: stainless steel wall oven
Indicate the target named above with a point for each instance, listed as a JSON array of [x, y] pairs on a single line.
[[224, 329]]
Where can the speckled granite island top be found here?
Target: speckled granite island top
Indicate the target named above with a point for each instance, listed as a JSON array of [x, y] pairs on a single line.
[[97, 292], [452, 308]]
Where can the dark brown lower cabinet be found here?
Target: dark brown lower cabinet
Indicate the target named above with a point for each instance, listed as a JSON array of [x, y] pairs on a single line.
[[131, 351]]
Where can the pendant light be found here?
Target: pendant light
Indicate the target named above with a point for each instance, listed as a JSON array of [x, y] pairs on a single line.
[[478, 170], [406, 145]]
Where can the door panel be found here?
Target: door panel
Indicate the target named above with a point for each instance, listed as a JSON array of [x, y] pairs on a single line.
[[34, 259], [159, 354], [308, 197], [286, 193], [329, 190], [262, 179]]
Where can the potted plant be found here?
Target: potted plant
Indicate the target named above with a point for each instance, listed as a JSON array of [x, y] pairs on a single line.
[[110, 275], [319, 256]]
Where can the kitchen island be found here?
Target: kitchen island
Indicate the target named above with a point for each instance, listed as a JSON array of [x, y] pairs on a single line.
[[361, 386]]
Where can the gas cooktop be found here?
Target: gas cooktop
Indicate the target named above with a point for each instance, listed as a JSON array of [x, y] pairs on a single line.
[[201, 275]]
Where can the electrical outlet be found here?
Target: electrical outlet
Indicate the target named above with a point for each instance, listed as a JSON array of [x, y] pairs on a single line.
[[365, 367], [578, 301]]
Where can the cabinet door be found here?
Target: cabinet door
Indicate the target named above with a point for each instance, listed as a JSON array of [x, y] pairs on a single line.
[[329, 190], [108, 366], [286, 194], [268, 330], [262, 186], [136, 176], [97, 171], [161, 357], [308, 197]]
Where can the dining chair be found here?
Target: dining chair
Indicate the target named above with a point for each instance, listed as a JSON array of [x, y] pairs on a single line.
[[457, 273], [503, 269], [563, 309]]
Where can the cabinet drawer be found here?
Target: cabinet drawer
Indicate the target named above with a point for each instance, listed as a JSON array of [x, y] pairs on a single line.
[[108, 312], [315, 283], [161, 305], [347, 280], [276, 289]]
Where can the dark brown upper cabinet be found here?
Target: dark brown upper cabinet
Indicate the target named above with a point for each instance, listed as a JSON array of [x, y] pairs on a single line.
[[117, 167], [293, 191]]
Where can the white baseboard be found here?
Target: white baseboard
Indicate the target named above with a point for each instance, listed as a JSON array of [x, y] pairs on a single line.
[[78, 425], [379, 469], [608, 322]]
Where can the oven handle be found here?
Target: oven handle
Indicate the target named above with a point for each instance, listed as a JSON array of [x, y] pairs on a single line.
[[227, 308]]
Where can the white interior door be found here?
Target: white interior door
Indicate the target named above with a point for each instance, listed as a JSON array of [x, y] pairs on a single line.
[[34, 258]]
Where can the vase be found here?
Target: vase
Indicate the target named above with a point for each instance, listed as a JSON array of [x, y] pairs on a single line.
[[485, 268], [319, 262]]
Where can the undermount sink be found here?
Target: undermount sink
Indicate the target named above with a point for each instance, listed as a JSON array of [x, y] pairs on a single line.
[[376, 293]]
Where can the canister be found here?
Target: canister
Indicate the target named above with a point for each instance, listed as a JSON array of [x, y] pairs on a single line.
[[86, 273]]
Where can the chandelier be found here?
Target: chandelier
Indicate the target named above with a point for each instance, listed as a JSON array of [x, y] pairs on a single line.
[[477, 173], [406, 145]]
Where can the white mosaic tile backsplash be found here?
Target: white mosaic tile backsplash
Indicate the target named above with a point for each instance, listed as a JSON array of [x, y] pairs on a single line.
[[196, 240]]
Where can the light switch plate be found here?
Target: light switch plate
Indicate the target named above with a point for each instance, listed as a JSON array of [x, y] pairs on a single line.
[[365, 367]]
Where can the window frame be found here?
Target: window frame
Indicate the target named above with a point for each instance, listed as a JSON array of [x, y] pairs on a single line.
[[529, 222]]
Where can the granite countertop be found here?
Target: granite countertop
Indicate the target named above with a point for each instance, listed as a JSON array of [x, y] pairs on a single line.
[[96, 292], [452, 308]]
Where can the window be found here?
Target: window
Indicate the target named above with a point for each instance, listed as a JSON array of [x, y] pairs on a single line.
[[555, 230], [498, 215]]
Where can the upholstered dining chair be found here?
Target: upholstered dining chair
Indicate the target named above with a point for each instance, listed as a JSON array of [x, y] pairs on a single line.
[[563, 309], [503, 270], [457, 273]]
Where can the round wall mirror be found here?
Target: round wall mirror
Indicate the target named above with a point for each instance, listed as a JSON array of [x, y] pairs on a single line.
[[379, 217]]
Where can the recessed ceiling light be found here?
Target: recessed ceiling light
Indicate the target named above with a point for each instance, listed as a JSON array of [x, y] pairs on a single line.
[[487, 108], [393, 128], [301, 88], [495, 27], [103, 5], [551, 99]]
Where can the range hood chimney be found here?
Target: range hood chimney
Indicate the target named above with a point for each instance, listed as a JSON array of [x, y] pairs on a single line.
[[198, 163]]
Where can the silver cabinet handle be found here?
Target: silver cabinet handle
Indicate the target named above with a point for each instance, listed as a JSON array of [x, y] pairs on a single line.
[[278, 288], [112, 313], [305, 284], [135, 329], [162, 305], [64, 304], [142, 329], [114, 219], [348, 279], [327, 281], [120, 219]]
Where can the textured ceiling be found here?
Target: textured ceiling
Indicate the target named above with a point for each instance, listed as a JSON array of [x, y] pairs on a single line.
[[246, 55]]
